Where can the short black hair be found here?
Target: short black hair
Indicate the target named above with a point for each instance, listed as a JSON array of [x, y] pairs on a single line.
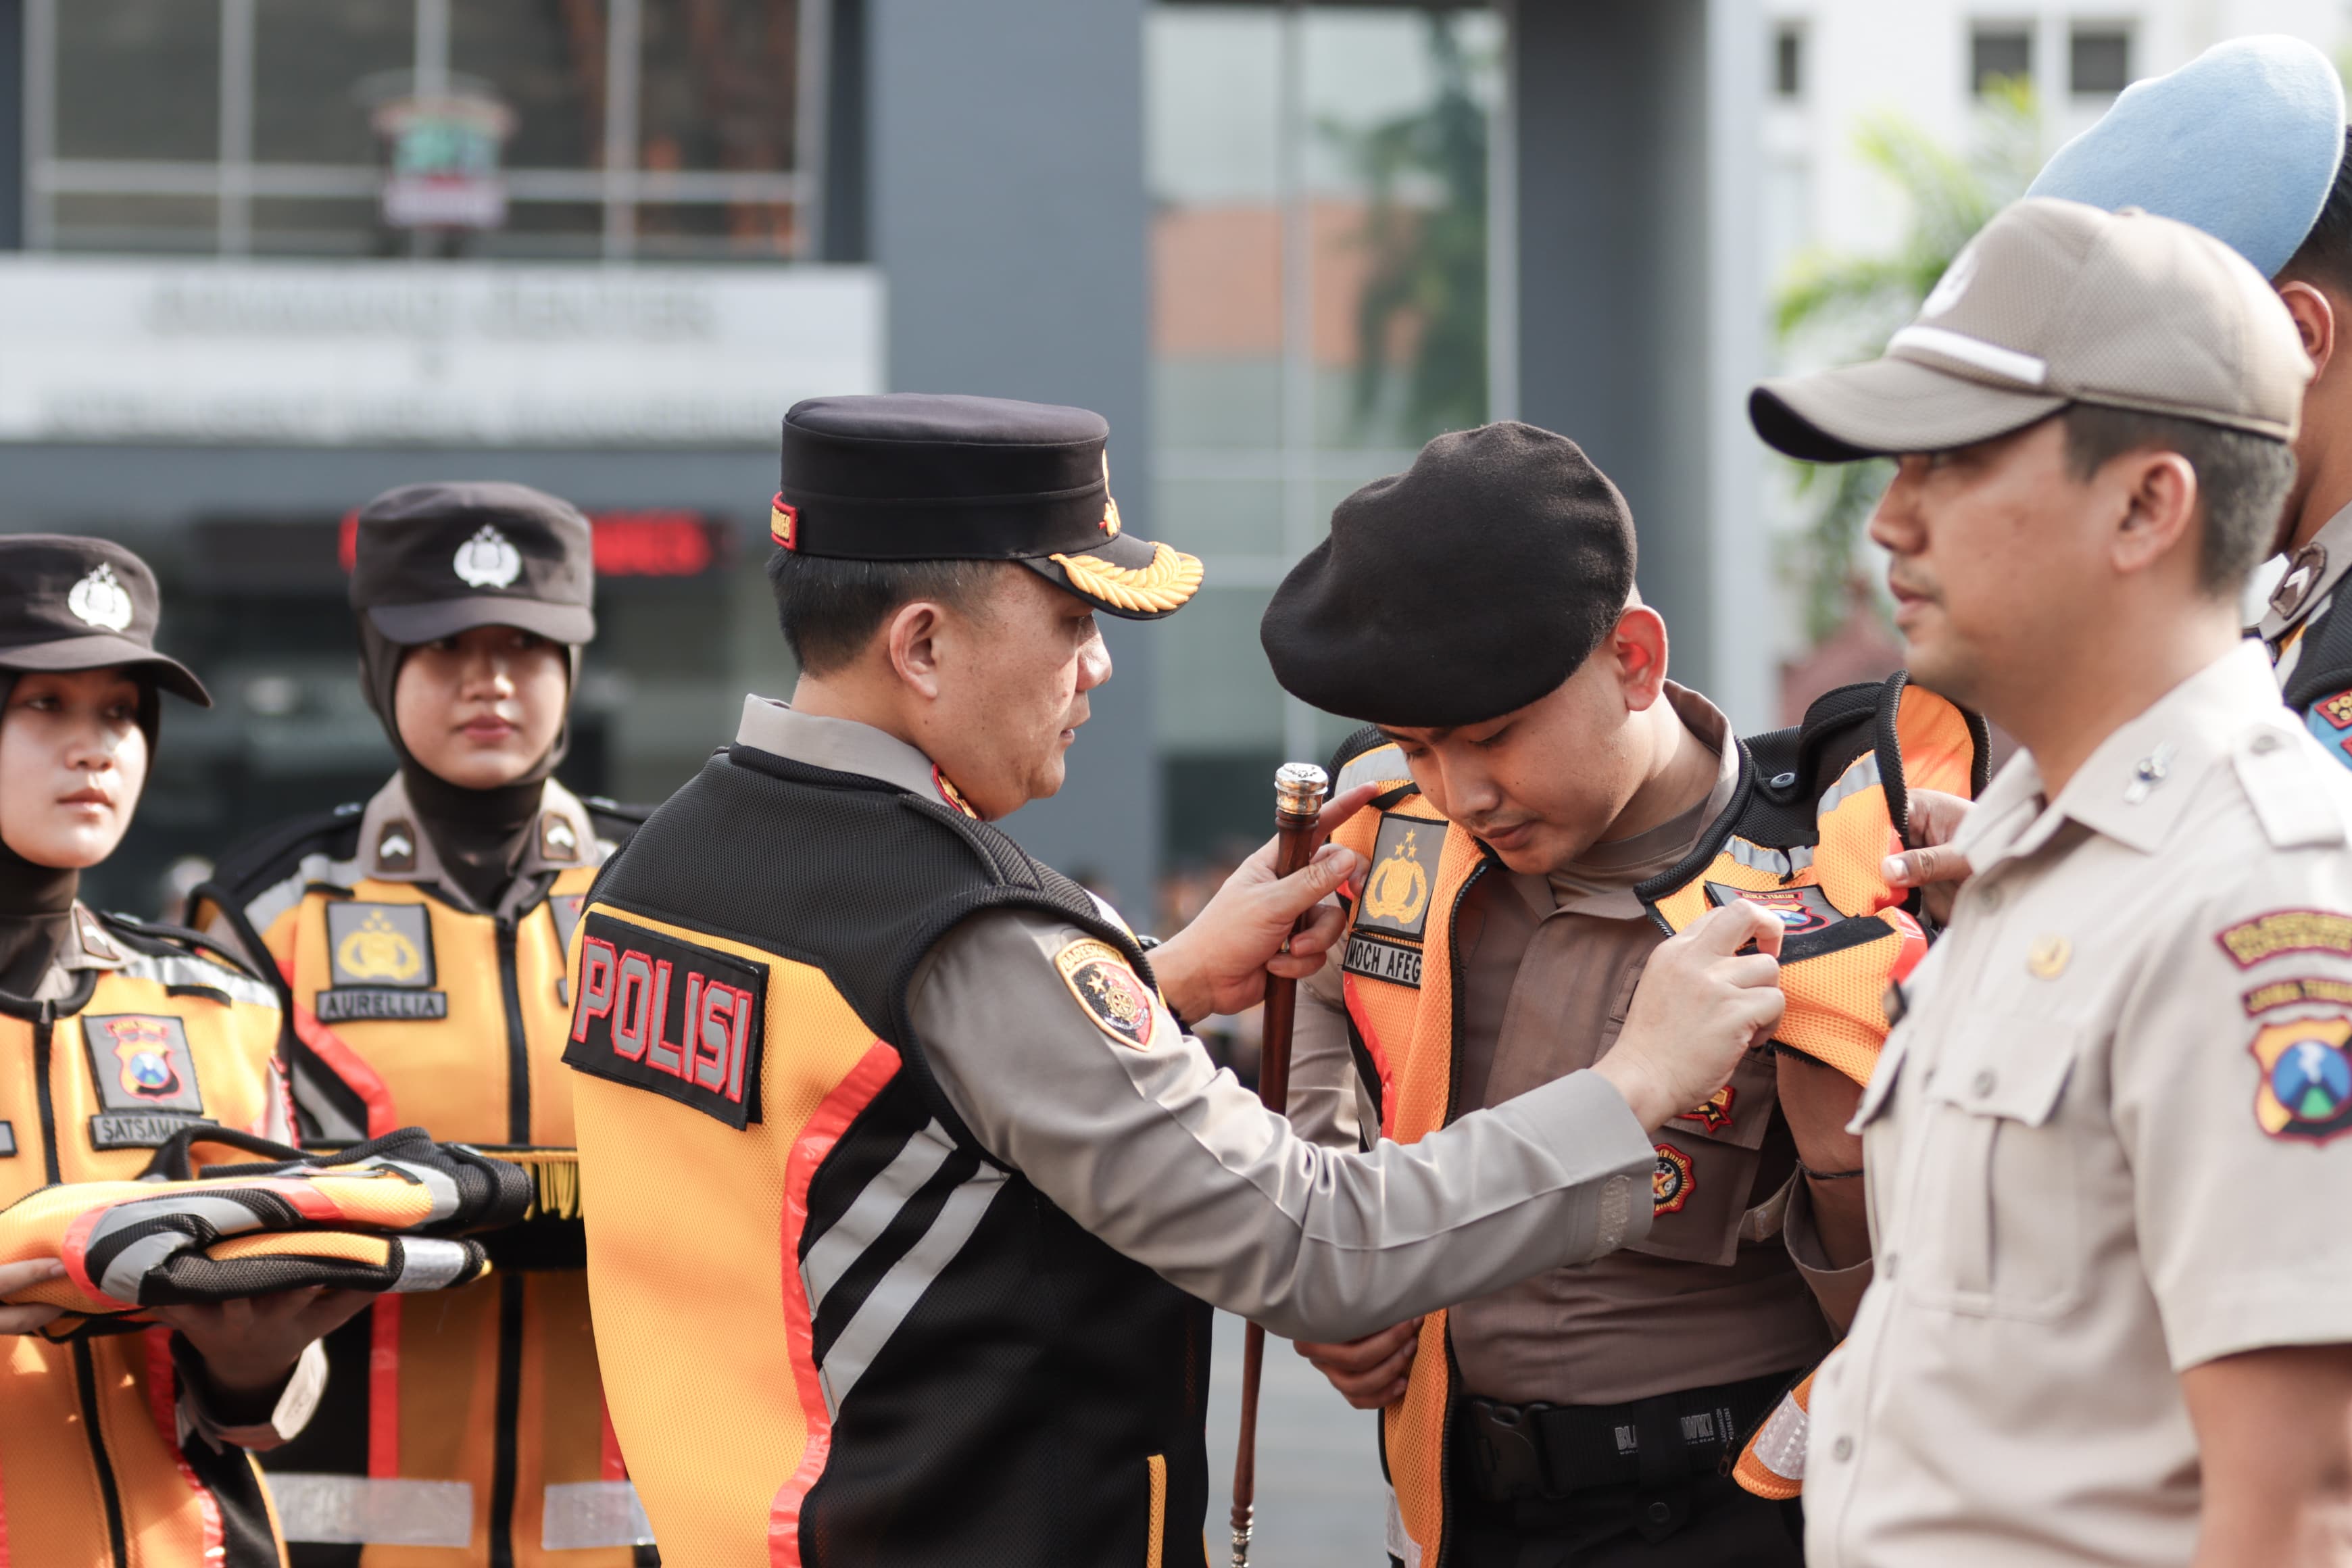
[[2243, 479], [2326, 254], [830, 609]]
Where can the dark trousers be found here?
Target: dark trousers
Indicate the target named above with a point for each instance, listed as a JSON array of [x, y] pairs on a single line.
[[1705, 1522]]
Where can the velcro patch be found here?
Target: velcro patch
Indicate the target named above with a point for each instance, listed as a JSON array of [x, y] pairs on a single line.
[[1397, 962], [139, 1130], [140, 1063], [1112, 995], [1801, 911], [1404, 872], [351, 1003], [2250, 943], [680, 1019], [379, 945]]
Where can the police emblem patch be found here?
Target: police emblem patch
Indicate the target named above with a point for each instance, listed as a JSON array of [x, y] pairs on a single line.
[[1112, 995], [379, 965], [1671, 1181], [1801, 911], [1715, 1114], [2307, 1084], [1404, 867], [99, 600], [488, 559], [142, 1063]]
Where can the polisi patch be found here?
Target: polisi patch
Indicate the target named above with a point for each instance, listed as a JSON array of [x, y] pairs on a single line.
[[140, 1063], [1395, 901], [1671, 1181], [680, 1019], [2307, 1084], [1112, 993]]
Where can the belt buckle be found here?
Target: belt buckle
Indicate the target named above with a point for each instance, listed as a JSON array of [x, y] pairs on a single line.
[[1510, 1451]]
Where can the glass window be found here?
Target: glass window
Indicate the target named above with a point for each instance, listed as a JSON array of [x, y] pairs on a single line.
[[1788, 62], [317, 65], [1998, 54], [546, 63], [138, 79], [715, 92], [2101, 62]]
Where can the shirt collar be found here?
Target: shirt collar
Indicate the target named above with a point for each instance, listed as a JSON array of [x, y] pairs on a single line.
[[393, 847], [843, 746], [2135, 786], [2333, 548]]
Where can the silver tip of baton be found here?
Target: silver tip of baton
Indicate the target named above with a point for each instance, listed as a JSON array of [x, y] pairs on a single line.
[[1300, 788]]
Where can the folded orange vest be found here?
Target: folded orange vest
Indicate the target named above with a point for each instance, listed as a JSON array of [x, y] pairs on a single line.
[[1817, 812], [209, 1223]]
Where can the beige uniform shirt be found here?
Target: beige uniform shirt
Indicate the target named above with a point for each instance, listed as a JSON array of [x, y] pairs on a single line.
[[1550, 966], [2104, 1145], [1164, 1156]]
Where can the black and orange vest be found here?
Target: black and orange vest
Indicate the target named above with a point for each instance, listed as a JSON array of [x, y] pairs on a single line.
[[2320, 686], [835, 1331], [1813, 812], [472, 1420], [93, 1470]]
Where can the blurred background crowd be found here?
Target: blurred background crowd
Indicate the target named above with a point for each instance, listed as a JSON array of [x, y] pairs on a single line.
[[262, 259]]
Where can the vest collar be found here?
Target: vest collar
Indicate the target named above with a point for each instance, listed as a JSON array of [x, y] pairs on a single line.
[[394, 847], [843, 746]]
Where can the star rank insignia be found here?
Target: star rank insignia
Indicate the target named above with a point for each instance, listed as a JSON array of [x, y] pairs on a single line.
[[1715, 1114], [1112, 995]]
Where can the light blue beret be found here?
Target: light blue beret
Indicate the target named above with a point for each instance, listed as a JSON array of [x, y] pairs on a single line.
[[2242, 142]]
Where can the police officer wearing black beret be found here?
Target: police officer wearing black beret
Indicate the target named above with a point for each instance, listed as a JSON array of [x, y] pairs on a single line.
[[920, 1191]]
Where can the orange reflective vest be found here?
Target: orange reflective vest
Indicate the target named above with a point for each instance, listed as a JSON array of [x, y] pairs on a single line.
[[94, 1470], [1814, 810], [474, 1424]]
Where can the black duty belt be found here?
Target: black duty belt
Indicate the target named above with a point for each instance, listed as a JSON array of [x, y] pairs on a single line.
[[1519, 1452]]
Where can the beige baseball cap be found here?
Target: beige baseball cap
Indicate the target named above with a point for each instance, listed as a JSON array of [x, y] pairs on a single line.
[[2051, 303]]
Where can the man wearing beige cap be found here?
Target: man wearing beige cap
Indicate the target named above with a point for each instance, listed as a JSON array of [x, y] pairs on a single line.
[[2112, 1321]]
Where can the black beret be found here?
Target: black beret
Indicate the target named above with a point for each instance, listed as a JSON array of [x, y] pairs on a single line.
[[1470, 584], [922, 477], [430, 561], [70, 603]]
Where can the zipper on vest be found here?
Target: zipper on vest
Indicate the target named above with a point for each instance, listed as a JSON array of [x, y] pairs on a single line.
[[503, 1461], [86, 1392], [44, 1027], [1445, 1519], [518, 1043]]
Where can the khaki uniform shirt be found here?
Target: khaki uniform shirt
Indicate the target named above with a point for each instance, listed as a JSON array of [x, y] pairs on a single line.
[[1168, 1159], [2104, 1145], [1550, 966]]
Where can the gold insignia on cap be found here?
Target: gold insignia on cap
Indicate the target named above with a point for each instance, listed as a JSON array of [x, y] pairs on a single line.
[[1171, 579], [783, 518], [1112, 993], [2047, 961], [1110, 501]]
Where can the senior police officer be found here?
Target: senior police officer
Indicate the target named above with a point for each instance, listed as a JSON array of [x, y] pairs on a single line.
[[2105, 1146], [1547, 793], [909, 1194]]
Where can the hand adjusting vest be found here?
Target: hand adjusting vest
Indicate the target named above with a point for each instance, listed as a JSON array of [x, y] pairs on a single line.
[[475, 1422], [156, 1037], [896, 1351], [1813, 812], [206, 1221]]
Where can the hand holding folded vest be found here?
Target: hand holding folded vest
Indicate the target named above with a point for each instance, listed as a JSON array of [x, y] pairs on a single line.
[[203, 1225]]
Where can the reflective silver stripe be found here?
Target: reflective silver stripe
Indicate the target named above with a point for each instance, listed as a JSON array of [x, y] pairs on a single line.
[[279, 897], [1378, 765], [1779, 1448], [127, 1268], [1776, 862], [594, 1513], [871, 1211], [186, 969], [879, 1315], [428, 1264], [360, 1510], [1861, 773]]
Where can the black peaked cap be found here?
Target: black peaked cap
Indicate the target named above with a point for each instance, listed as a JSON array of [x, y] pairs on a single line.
[[1470, 584], [434, 560], [69, 602], [926, 477]]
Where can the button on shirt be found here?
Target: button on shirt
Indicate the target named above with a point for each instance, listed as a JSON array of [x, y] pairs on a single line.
[[2105, 1146]]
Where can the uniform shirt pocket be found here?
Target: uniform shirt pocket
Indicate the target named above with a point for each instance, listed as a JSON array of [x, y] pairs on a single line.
[[2002, 1178]]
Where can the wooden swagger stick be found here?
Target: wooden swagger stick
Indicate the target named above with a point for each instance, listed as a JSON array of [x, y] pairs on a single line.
[[1299, 792]]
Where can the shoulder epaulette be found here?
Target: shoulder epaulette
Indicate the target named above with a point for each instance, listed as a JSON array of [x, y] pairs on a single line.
[[270, 855]]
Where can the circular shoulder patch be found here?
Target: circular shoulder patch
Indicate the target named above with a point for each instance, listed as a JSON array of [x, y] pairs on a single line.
[[1671, 1182], [1112, 995]]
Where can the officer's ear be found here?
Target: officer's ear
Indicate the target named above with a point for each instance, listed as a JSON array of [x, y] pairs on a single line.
[[1636, 649], [2161, 501], [909, 642]]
